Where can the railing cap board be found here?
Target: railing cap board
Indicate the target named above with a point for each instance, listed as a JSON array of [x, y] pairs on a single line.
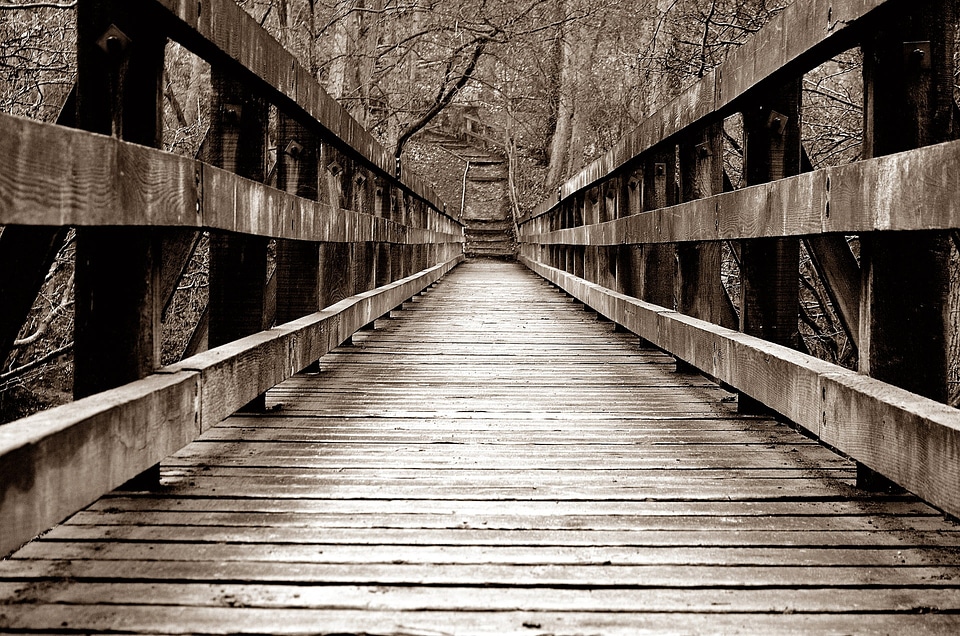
[[58, 461], [804, 34]]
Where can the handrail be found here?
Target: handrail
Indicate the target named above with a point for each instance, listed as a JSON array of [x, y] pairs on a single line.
[[58, 461], [803, 35], [222, 32], [113, 182], [637, 236], [848, 199], [338, 268]]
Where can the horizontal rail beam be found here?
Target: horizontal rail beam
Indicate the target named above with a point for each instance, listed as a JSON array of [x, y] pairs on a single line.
[[220, 30], [58, 461], [51, 175], [913, 190], [912, 440], [805, 34]]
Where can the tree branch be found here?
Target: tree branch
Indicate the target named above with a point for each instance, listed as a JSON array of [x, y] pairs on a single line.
[[38, 5]]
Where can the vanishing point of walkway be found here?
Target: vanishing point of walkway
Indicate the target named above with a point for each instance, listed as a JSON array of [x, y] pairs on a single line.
[[494, 460]]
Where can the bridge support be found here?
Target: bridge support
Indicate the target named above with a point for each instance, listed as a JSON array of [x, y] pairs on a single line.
[[117, 325], [905, 279], [238, 264], [769, 267]]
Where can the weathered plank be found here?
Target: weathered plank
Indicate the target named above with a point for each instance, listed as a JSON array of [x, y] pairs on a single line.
[[806, 34], [912, 190], [223, 33], [58, 461]]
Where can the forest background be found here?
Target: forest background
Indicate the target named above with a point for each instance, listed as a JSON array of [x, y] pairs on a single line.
[[553, 83]]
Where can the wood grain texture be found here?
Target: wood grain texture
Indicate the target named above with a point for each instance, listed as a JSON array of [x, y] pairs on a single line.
[[52, 175], [808, 391], [491, 459], [58, 461]]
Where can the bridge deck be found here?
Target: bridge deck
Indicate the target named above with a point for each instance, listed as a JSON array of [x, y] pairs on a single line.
[[494, 460]]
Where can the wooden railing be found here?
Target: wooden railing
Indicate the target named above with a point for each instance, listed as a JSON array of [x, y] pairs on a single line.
[[353, 242], [638, 236]]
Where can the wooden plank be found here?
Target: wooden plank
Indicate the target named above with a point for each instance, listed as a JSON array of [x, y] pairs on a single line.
[[788, 382], [75, 447], [229, 620], [298, 262], [912, 190], [117, 335], [488, 486], [908, 102], [838, 268]]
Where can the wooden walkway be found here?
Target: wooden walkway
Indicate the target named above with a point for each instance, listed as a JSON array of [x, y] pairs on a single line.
[[494, 460]]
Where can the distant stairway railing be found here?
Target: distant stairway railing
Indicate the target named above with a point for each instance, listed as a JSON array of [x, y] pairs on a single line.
[[353, 241], [638, 235]]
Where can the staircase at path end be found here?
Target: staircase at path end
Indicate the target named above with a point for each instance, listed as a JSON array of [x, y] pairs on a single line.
[[484, 203]]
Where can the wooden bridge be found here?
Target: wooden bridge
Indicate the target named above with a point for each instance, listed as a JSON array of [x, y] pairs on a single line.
[[590, 440]]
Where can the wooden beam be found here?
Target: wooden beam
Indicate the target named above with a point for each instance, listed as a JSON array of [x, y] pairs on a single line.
[[658, 265], [52, 176], [847, 410], [908, 102], [117, 308], [907, 191], [298, 262], [838, 268], [238, 264], [58, 461], [235, 373], [230, 39], [700, 291], [769, 268], [806, 34]]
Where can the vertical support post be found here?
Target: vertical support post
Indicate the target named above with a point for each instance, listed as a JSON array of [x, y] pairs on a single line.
[[770, 268], [628, 256], [238, 264], [298, 262], [658, 271], [700, 292], [117, 324], [908, 103]]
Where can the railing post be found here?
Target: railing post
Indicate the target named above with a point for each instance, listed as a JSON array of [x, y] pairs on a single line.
[[700, 291], [298, 262], [238, 263], [908, 103], [336, 275], [658, 266], [119, 70], [628, 256], [770, 268]]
